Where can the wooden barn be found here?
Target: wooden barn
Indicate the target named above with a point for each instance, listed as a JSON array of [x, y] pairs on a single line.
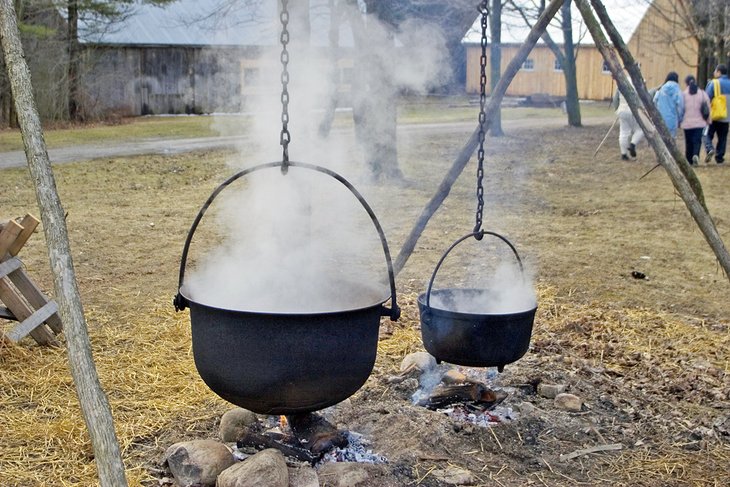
[[654, 32], [187, 58]]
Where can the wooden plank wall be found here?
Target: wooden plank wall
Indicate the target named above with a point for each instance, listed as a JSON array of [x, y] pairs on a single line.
[[661, 44], [593, 83]]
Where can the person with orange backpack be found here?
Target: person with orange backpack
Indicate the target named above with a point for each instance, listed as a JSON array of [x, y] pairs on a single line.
[[718, 90]]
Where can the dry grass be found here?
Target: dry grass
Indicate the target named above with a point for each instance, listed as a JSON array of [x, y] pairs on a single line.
[[658, 345]]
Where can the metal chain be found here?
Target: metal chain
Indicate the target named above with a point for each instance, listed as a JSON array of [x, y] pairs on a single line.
[[285, 135], [484, 10]]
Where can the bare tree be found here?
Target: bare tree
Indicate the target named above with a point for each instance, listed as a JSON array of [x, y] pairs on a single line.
[[566, 56], [94, 404], [495, 61]]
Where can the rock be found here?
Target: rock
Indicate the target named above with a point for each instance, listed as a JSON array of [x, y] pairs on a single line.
[[234, 423], [526, 408], [550, 390], [454, 476], [198, 462], [346, 474], [303, 477], [422, 361], [266, 468], [569, 402]]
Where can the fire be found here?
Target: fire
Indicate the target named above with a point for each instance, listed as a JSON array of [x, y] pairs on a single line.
[[283, 423]]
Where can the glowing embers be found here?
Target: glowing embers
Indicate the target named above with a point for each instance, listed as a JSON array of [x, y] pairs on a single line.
[[307, 437], [462, 393]]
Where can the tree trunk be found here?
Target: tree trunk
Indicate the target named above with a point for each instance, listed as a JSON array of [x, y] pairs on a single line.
[[566, 59], [94, 405], [461, 160], [656, 132], [572, 104], [73, 60], [495, 61], [374, 107]]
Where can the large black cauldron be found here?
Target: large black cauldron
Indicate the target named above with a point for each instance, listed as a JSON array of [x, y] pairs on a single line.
[[472, 338], [285, 363]]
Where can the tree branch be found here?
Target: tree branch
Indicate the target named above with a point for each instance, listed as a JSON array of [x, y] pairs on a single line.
[[463, 157], [646, 114]]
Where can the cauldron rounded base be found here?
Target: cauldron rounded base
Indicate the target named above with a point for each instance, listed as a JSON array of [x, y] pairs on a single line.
[[284, 363], [470, 339]]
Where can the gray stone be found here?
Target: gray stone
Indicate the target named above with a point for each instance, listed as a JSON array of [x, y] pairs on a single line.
[[422, 361], [303, 477], [454, 476], [234, 423], [569, 402], [198, 462], [550, 391], [345, 474], [265, 469], [526, 408]]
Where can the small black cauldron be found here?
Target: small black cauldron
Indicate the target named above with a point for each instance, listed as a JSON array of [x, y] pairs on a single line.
[[285, 363], [471, 338]]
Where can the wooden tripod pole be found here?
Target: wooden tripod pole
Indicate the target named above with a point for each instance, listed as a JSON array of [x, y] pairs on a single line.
[[463, 157], [646, 114], [94, 405]]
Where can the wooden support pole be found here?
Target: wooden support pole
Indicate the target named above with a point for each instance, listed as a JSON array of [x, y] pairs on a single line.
[[656, 133], [94, 403], [492, 108]]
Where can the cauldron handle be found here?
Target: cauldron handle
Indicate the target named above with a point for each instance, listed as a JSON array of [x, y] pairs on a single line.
[[181, 303], [477, 235]]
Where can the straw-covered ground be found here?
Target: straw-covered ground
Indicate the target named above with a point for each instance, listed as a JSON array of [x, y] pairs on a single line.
[[649, 357]]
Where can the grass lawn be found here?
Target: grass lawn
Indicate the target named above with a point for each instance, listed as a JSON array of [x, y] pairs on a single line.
[[459, 109]]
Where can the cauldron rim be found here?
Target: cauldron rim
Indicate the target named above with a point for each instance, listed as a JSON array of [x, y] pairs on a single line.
[[184, 294], [461, 314]]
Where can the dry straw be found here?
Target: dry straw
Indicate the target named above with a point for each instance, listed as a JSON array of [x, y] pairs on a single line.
[[145, 363]]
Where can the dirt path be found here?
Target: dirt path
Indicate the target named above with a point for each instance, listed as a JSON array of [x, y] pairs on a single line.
[[169, 146]]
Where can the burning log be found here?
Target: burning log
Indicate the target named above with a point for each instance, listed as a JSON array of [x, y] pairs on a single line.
[[287, 445], [472, 392], [311, 436], [316, 433]]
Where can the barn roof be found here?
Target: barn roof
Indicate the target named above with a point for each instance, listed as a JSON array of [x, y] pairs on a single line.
[[626, 15], [205, 23]]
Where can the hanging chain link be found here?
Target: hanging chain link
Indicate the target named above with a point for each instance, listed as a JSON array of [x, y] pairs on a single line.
[[484, 10], [285, 135]]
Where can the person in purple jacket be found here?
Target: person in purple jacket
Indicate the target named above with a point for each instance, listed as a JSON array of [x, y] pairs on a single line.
[[693, 122], [718, 127]]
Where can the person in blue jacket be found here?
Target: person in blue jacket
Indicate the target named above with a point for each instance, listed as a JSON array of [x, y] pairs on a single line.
[[668, 100], [719, 127]]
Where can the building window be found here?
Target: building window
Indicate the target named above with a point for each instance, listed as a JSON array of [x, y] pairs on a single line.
[[346, 76], [557, 66], [251, 76], [528, 65], [605, 69]]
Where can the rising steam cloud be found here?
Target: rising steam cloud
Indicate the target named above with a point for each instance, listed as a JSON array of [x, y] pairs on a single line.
[[302, 242]]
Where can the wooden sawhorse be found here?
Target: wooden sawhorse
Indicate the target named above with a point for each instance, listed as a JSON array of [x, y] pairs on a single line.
[[20, 299]]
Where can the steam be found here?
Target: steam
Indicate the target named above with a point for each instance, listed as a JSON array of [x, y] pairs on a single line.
[[302, 242], [507, 290]]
